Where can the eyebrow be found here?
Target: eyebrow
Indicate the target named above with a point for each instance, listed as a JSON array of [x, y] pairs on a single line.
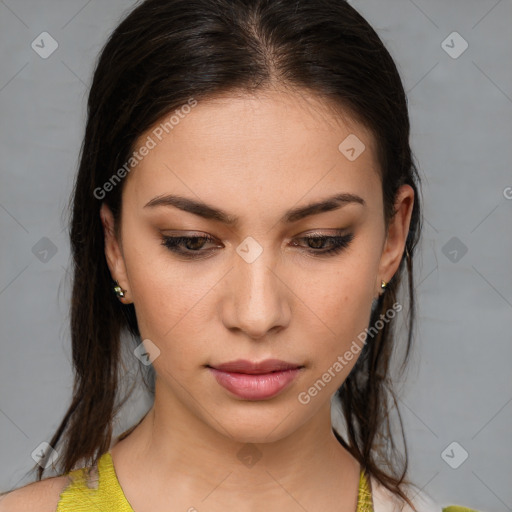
[[293, 215]]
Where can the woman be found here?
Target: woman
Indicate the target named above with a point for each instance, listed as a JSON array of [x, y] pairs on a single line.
[[247, 190]]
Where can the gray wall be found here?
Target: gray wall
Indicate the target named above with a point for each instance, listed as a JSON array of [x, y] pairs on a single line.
[[459, 386]]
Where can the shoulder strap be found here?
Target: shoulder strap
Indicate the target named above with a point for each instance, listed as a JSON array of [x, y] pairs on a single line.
[[458, 508], [364, 497], [94, 488]]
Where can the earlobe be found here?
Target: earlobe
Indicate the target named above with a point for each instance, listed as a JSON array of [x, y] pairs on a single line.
[[113, 254]]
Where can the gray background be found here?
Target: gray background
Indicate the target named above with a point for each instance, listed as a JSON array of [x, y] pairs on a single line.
[[459, 384]]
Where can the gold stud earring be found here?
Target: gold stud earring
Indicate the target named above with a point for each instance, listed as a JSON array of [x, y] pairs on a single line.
[[119, 291], [383, 284]]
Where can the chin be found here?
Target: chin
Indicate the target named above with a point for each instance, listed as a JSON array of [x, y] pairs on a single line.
[[258, 426]]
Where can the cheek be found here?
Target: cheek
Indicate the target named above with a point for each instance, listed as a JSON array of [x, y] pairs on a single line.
[[341, 297], [341, 302], [169, 301]]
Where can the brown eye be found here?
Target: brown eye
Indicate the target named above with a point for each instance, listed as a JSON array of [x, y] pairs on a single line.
[[191, 246], [188, 246], [337, 243]]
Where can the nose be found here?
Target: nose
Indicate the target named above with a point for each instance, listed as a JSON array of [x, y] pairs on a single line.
[[257, 296]]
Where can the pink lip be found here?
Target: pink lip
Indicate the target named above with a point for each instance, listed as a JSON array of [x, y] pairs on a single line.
[[255, 381]]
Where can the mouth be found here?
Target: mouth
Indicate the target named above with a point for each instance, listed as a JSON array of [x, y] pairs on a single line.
[[256, 368], [255, 380]]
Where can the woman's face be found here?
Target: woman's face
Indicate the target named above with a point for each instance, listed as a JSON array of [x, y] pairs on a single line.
[[258, 289]]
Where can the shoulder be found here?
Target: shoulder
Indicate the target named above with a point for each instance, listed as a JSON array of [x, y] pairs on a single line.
[[385, 501], [41, 496]]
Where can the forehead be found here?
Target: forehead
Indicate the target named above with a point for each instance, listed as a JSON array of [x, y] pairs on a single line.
[[278, 145]]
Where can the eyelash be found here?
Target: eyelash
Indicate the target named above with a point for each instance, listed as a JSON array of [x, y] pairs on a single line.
[[338, 242]]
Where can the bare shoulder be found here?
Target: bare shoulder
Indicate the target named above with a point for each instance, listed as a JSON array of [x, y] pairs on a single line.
[[41, 496]]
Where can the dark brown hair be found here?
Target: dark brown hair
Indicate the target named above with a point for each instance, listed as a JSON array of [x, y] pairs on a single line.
[[166, 52]]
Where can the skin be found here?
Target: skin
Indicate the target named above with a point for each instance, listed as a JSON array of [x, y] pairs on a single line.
[[254, 157]]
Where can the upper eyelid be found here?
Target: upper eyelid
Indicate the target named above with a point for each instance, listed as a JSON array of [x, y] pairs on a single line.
[[334, 232], [210, 239]]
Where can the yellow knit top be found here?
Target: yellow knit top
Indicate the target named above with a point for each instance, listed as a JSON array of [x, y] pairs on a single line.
[[99, 489]]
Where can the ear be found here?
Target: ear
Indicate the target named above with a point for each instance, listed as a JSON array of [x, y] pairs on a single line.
[[113, 252], [398, 229]]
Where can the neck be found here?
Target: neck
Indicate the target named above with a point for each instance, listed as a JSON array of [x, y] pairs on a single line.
[[171, 444]]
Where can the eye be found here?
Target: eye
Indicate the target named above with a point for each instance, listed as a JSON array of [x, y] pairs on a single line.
[[337, 243], [191, 246]]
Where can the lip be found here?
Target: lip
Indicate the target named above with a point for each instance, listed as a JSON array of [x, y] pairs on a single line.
[[255, 380], [254, 368]]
